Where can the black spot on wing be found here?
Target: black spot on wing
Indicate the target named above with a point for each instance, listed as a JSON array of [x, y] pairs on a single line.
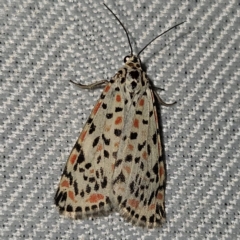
[[139, 112], [133, 135], [108, 200], [89, 121], [145, 121], [123, 80], [114, 154], [92, 128], [96, 186], [148, 149], [80, 160], [118, 162], [92, 179], [136, 194], [152, 219], [151, 198], [104, 182], [119, 199], [128, 158], [155, 168], [88, 165], [117, 132], [78, 209], [106, 154], [99, 159], [88, 189], [154, 138], [137, 159], [118, 109], [106, 141], [82, 193], [132, 187], [133, 84], [69, 208], [141, 146], [77, 147], [95, 141], [94, 207], [109, 115], [142, 165], [119, 178], [104, 106]]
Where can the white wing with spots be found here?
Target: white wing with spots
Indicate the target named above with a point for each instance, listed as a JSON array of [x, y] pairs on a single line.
[[85, 187], [139, 176]]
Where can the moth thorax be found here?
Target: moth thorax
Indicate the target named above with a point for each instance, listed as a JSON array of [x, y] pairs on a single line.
[[133, 81]]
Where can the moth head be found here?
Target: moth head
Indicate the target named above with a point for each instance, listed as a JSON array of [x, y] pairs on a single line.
[[132, 61]]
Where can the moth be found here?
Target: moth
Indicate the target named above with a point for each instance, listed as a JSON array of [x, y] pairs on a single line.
[[116, 163]]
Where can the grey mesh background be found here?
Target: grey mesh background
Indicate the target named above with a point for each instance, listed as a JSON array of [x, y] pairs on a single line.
[[44, 44]]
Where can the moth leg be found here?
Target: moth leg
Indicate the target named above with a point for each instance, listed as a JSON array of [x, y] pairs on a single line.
[[158, 88], [92, 85], [162, 102]]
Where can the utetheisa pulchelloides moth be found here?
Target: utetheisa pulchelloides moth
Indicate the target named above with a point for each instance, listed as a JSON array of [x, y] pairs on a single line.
[[116, 163]]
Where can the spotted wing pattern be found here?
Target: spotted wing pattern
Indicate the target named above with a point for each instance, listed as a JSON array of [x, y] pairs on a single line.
[[139, 176], [85, 187], [116, 162]]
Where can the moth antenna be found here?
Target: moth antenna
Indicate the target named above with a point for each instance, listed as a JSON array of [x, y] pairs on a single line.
[[158, 37], [122, 26]]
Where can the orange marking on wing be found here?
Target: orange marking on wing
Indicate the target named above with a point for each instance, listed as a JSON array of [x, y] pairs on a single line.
[[107, 128], [118, 98], [130, 147], [99, 148], [152, 207], [97, 106], [121, 189], [106, 88], [161, 171], [116, 144], [83, 135], [141, 102], [133, 203], [71, 195], [65, 183], [95, 197], [118, 120], [136, 123], [145, 155], [128, 169], [160, 196], [113, 167], [91, 171], [73, 158], [159, 146]]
